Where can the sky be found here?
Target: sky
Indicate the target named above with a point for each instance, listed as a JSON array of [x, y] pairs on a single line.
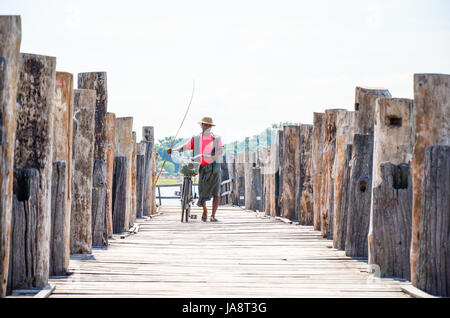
[[254, 62]]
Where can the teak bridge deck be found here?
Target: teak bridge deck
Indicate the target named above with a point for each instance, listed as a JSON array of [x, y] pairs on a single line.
[[243, 255]]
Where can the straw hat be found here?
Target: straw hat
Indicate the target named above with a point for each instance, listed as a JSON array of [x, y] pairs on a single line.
[[206, 120]]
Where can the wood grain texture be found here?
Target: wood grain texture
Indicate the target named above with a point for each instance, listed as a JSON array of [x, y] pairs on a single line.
[[291, 169], [58, 241], [148, 138], [431, 101], [390, 224], [110, 139], [133, 179], [360, 193], [123, 147], [240, 256], [83, 165], [365, 98], [433, 267], [34, 140], [26, 216], [327, 182], [344, 137], [11, 30], [119, 194], [62, 141], [317, 159], [99, 225], [304, 197]]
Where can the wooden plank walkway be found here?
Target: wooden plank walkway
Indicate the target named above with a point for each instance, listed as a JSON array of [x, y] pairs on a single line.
[[243, 255]]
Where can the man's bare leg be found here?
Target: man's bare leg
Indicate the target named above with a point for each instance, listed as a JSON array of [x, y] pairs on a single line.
[[205, 211], [215, 206]]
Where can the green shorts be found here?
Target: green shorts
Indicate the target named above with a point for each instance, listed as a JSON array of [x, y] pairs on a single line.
[[208, 182]]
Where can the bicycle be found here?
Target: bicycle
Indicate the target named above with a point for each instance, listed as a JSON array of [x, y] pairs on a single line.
[[189, 169]]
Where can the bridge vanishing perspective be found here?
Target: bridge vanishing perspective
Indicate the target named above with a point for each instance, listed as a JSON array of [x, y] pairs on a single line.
[[355, 205]]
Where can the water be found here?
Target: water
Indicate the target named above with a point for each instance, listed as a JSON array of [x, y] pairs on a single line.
[[170, 191]]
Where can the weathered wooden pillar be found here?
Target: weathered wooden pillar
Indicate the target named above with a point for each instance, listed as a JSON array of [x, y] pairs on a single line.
[[62, 146], [247, 173], [317, 159], [344, 137], [240, 178], [83, 165], [225, 175], [343, 217], [148, 138], [360, 185], [279, 172], [97, 82], [59, 245], [255, 193], [99, 225], [431, 127], [24, 244], [110, 138], [11, 31], [327, 184], [154, 162], [140, 178], [119, 207], [433, 266], [390, 216], [34, 139], [122, 148], [233, 170], [304, 196], [361, 171], [291, 168], [133, 179]]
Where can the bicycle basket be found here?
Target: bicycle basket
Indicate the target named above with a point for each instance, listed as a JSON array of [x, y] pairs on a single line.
[[189, 169]]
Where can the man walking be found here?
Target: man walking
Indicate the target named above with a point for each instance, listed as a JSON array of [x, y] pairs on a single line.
[[210, 147]]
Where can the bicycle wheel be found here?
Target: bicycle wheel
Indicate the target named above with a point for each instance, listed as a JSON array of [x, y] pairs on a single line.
[[185, 200], [188, 195]]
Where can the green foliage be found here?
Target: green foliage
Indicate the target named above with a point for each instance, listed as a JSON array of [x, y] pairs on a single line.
[[161, 148]]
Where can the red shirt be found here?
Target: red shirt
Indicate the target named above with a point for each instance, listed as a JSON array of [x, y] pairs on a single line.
[[206, 147]]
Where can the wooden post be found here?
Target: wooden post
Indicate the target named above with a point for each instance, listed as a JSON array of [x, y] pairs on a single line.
[[327, 184], [24, 256], [361, 171], [119, 197], [431, 127], [390, 216], [148, 138], [110, 138], [343, 217], [123, 148], [433, 267], [240, 178], [140, 178], [317, 158], [247, 173], [224, 176], [62, 147], [154, 161], [99, 225], [291, 169], [304, 196], [390, 224], [11, 31], [255, 193], [83, 165], [133, 179], [58, 242], [34, 139], [97, 82], [279, 173], [344, 137], [360, 186]]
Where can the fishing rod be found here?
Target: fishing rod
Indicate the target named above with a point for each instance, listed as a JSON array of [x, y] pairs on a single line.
[[173, 141]]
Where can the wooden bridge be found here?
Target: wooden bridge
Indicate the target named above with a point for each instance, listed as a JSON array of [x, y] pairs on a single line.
[[357, 191], [246, 254]]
